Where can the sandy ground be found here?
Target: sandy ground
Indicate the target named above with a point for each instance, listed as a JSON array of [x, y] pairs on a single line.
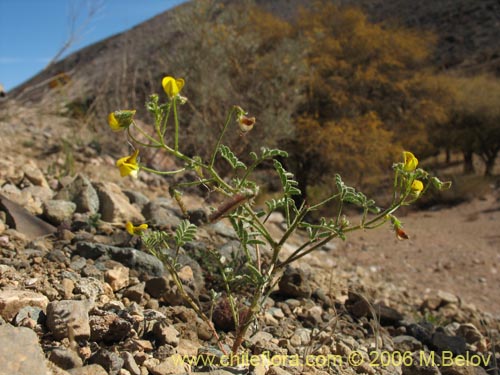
[[454, 249]]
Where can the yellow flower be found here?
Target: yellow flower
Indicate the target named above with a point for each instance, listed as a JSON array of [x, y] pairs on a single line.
[[410, 161], [135, 230], [172, 86], [417, 186], [128, 165], [120, 120]]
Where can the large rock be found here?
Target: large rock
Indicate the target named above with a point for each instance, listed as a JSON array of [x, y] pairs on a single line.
[[115, 206], [11, 301], [20, 352], [130, 257]]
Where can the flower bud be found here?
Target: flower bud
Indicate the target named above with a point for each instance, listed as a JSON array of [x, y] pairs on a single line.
[[120, 120]]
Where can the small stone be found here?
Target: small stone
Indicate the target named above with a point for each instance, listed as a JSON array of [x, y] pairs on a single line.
[[130, 364], [447, 298], [470, 333], [93, 369], [166, 334], [65, 358], [20, 352], [171, 365], [29, 312], [295, 283], [404, 343], [187, 347], [69, 319], [454, 344], [34, 174], [58, 211], [109, 360], [11, 301], [117, 276], [109, 327], [136, 292]]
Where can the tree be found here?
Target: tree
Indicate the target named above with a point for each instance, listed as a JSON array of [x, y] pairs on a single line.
[[475, 119], [364, 96]]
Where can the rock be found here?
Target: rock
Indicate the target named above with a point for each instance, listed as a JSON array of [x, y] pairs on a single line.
[[23, 221], [136, 292], [295, 283], [20, 352], [69, 319], [443, 342], [275, 370], [166, 334], [115, 206], [109, 360], [90, 288], [117, 276], [130, 364], [65, 358], [81, 192], [137, 198], [462, 370], [470, 333], [171, 365], [160, 213], [34, 174], [58, 211], [130, 257], [404, 343], [12, 301], [108, 327], [88, 370], [447, 298], [30, 312], [422, 332], [418, 367]]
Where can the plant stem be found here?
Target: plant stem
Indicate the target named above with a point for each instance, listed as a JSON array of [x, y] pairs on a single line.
[[176, 122], [219, 140]]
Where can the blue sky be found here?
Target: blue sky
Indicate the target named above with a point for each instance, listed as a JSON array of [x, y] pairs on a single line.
[[33, 31]]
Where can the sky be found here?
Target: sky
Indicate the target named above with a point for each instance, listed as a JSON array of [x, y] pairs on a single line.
[[32, 32]]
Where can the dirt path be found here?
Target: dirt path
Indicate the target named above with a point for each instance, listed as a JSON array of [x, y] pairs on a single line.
[[455, 250]]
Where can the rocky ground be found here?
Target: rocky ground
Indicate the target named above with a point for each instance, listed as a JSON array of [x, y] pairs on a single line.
[[82, 297]]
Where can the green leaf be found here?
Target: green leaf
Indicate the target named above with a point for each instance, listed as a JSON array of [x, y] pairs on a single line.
[[184, 233], [231, 158], [289, 184]]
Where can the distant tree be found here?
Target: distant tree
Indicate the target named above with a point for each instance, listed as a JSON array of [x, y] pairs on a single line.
[[474, 120], [364, 94]]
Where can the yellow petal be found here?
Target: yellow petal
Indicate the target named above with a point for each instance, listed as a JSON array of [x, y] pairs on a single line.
[[128, 165], [410, 161], [113, 122], [135, 230], [417, 186], [172, 86]]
